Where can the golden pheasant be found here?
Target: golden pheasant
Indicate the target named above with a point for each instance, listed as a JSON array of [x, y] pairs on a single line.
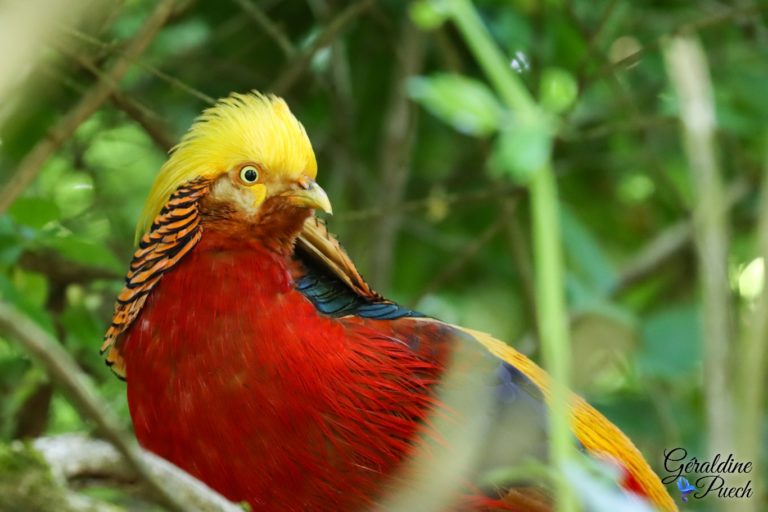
[[258, 359]]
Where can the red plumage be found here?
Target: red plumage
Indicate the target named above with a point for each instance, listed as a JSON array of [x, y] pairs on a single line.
[[250, 389]]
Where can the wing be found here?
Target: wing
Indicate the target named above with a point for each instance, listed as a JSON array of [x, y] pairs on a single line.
[[174, 232], [316, 243], [329, 279]]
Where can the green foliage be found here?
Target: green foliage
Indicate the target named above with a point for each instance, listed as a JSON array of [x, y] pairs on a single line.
[[26, 483], [520, 151], [34, 212], [604, 119], [465, 103], [428, 15], [558, 90], [670, 349], [79, 250]]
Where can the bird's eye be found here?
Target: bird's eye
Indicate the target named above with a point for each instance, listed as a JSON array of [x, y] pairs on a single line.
[[249, 174]]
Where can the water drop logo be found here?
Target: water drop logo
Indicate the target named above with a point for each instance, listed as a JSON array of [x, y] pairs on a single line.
[[685, 488]]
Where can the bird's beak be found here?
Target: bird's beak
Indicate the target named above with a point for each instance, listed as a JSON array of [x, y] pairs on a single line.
[[308, 194]]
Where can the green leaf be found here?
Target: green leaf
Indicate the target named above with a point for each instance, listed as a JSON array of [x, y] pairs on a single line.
[[520, 151], [10, 250], [10, 243], [127, 163], [585, 254], [74, 194], [64, 417], [10, 294], [428, 15], [81, 326], [34, 212], [558, 90], [670, 342], [183, 37], [76, 249], [465, 103], [596, 483], [32, 285]]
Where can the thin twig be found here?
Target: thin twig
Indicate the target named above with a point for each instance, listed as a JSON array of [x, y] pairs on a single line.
[[468, 253], [338, 85], [521, 255], [60, 270], [294, 71], [65, 373], [450, 56], [685, 29], [269, 26], [144, 116], [162, 75], [90, 102], [591, 37], [151, 124], [689, 73], [667, 244], [635, 123], [147, 119], [344, 160], [395, 156], [654, 254], [475, 196], [179, 84]]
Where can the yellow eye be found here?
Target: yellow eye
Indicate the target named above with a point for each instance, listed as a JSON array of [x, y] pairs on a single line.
[[249, 174]]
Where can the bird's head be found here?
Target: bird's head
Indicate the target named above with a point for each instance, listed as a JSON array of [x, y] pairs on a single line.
[[257, 157]]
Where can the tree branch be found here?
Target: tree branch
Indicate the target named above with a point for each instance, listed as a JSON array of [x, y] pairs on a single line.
[[268, 26], [90, 102], [687, 67], [145, 117], [28, 484], [63, 271], [76, 457], [65, 373], [152, 126], [149, 68], [292, 73], [669, 243]]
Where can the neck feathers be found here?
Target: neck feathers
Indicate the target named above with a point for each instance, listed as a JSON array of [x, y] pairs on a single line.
[[275, 227]]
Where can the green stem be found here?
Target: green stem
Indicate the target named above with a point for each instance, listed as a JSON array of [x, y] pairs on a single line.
[[551, 317], [550, 301], [493, 62]]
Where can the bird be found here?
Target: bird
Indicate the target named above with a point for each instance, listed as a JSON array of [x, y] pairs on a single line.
[[258, 359], [685, 488]]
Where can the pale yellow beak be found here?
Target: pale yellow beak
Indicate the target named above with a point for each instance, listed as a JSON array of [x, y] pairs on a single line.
[[308, 194]]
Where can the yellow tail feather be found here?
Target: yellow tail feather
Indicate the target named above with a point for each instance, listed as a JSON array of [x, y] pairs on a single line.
[[595, 432]]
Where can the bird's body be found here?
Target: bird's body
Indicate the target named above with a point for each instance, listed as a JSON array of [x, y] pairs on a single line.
[[270, 370], [264, 412]]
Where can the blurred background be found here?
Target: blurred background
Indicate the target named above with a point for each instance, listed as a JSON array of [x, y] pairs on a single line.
[[428, 174]]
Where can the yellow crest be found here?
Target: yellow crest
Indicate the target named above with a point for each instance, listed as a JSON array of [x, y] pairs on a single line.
[[240, 128]]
